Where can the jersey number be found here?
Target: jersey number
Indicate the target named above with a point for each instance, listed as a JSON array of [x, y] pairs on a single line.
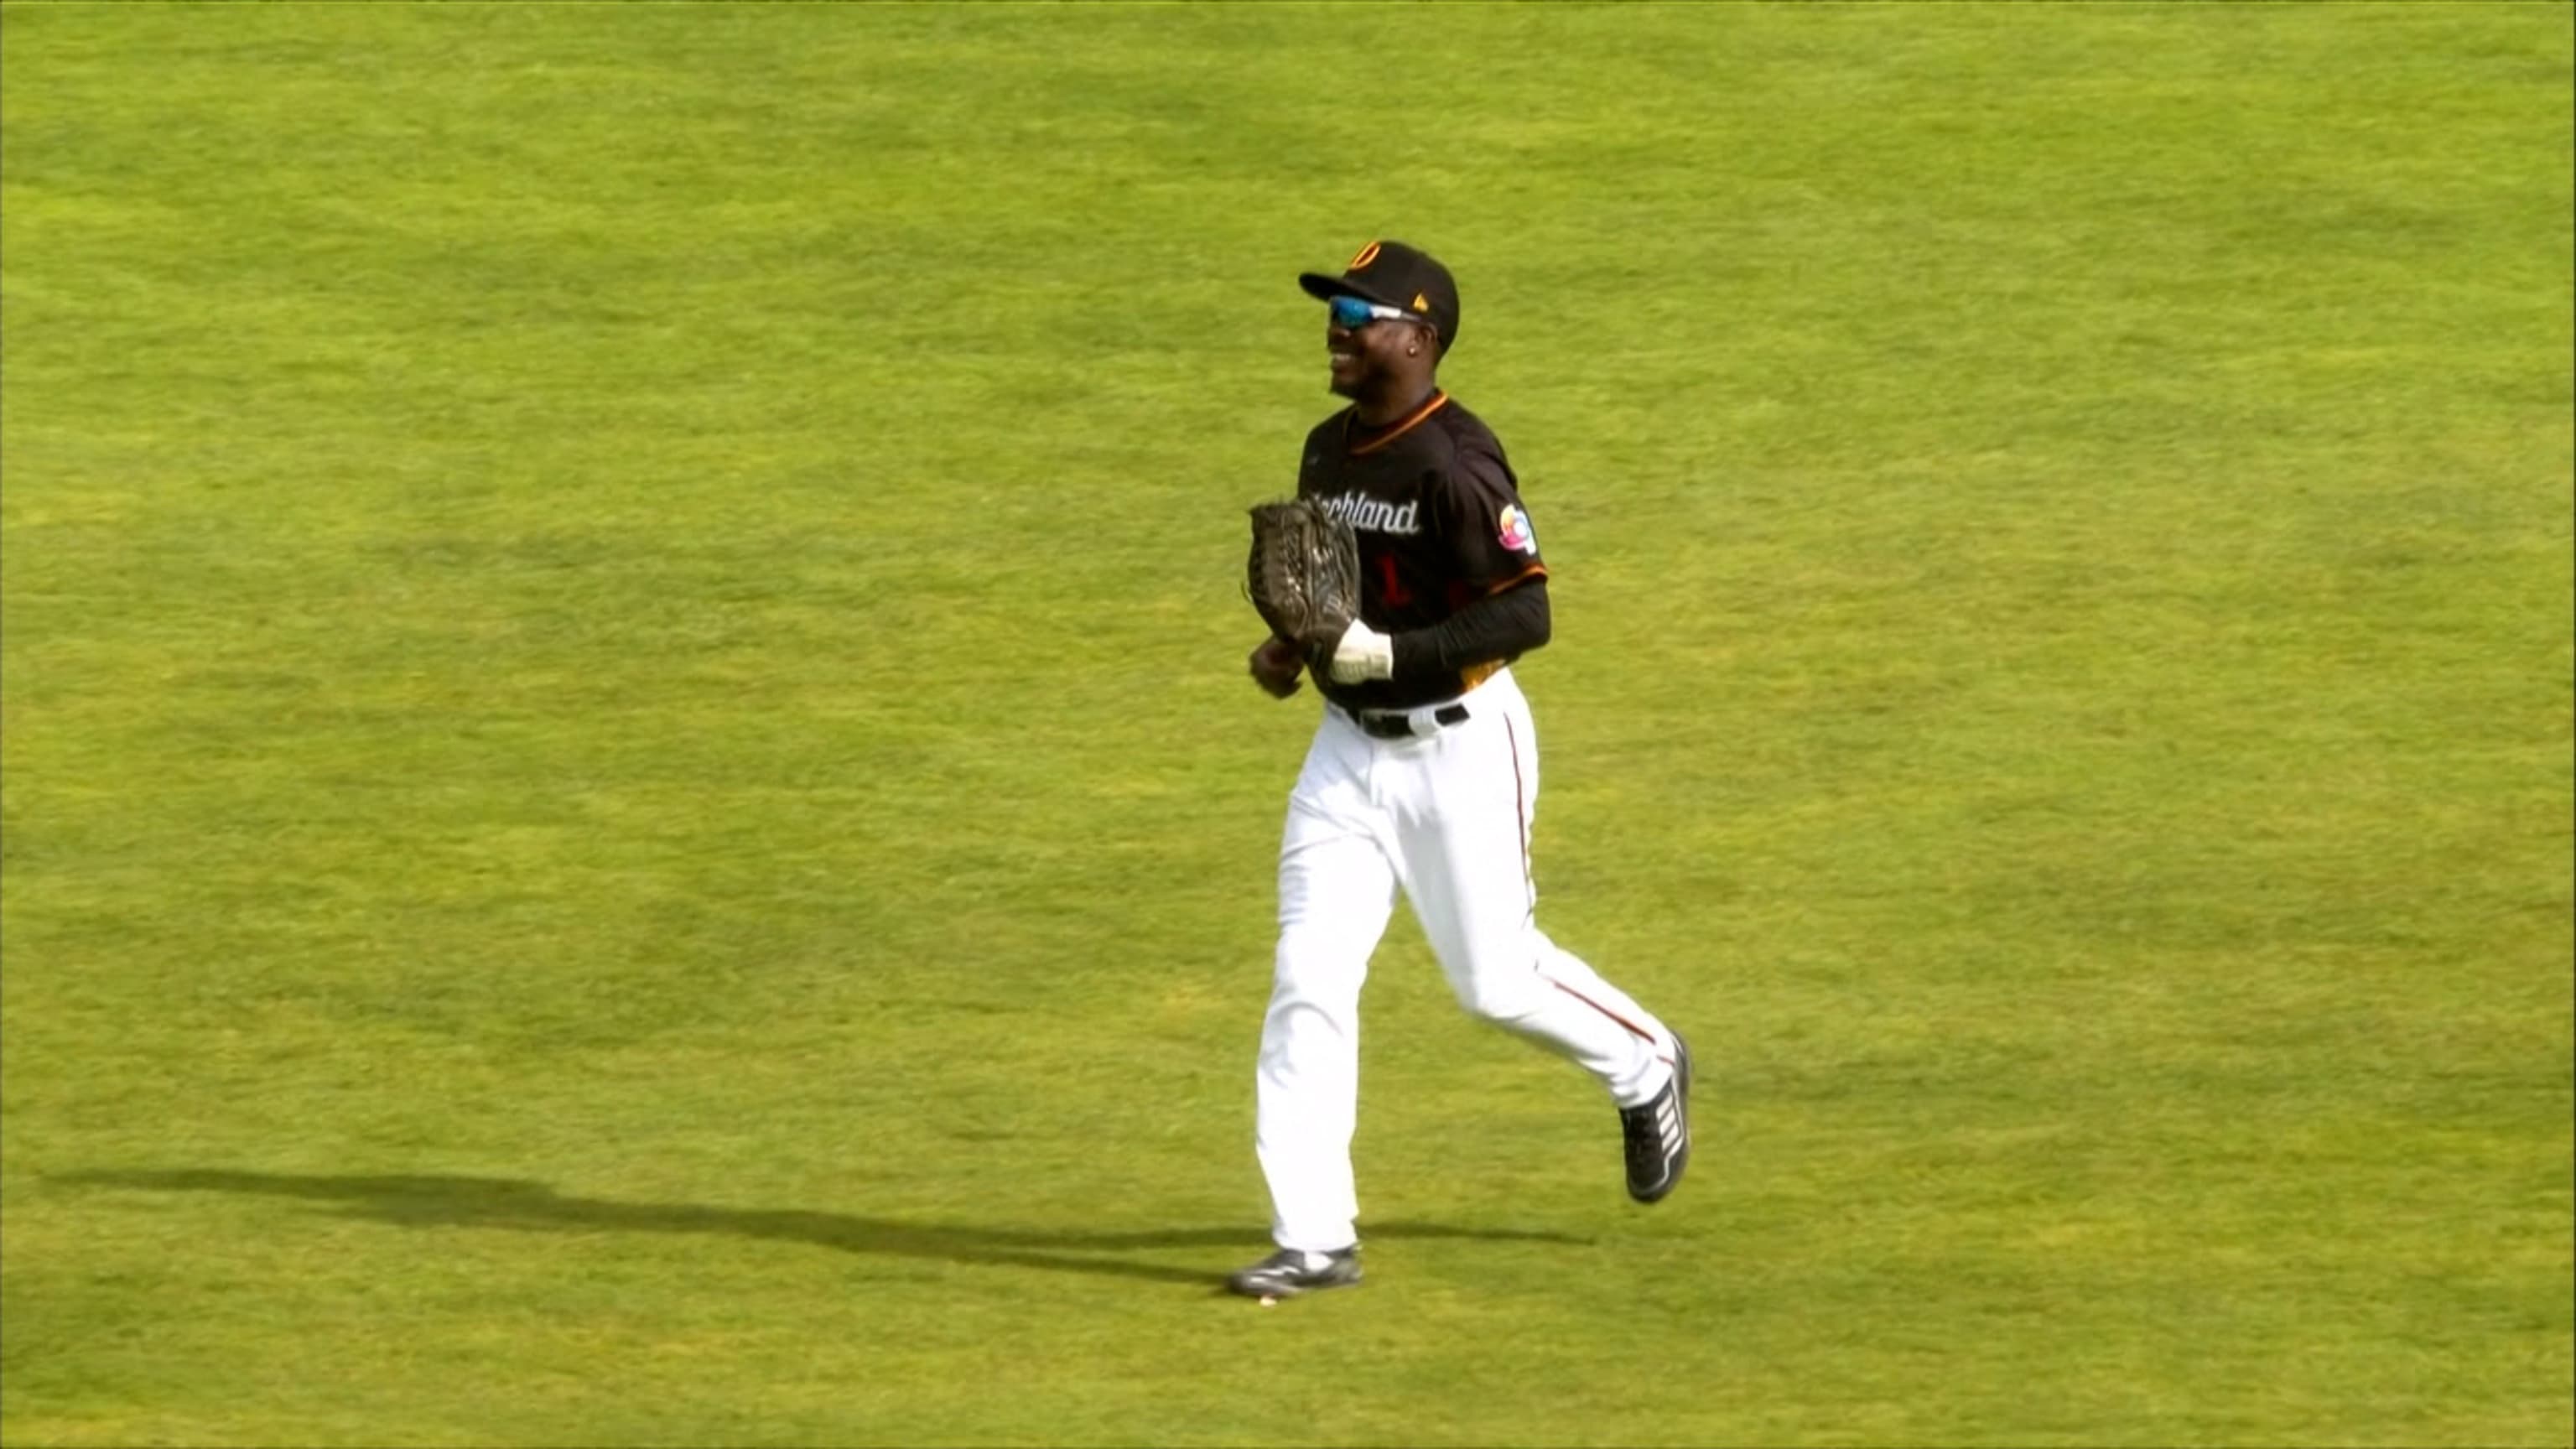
[[1392, 589]]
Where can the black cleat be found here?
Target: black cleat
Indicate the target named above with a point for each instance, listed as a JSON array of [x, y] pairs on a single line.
[[1288, 1272], [1658, 1133]]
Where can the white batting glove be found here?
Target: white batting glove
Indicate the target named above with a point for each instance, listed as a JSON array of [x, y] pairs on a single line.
[[1363, 654]]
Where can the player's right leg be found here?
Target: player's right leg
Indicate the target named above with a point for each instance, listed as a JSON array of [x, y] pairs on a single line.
[[1336, 891]]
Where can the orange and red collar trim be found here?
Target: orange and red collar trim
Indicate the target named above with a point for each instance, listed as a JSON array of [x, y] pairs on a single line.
[[1438, 400]]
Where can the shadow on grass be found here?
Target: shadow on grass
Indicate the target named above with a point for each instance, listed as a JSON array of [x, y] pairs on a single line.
[[525, 1206]]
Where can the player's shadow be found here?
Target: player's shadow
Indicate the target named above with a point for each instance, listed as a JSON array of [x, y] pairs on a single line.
[[523, 1206]]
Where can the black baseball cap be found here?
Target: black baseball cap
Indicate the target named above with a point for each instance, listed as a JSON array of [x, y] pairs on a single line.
[[1392, 274]]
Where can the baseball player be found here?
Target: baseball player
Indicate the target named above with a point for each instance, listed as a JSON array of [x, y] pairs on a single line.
[[1421, 779]]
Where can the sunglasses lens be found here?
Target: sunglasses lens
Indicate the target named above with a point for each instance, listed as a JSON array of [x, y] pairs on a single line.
[[1350, 313]]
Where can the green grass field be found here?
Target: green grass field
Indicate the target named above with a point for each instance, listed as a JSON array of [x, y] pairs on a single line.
[[632, 815]]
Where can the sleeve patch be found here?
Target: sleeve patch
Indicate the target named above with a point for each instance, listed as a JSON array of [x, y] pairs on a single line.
[[1515, 534]]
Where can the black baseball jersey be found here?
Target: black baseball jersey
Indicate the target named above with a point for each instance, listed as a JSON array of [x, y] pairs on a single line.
[[1440, 525]]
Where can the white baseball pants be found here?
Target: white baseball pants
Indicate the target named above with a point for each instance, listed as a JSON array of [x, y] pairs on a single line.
[[1445, 818]]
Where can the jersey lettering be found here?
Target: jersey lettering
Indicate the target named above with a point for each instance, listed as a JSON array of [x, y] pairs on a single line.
[[1375, 515]]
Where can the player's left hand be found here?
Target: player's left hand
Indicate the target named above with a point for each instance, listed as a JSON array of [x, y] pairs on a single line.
[[1363, 654]]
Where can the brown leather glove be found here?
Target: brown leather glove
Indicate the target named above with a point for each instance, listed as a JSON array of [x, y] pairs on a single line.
[[1303, 575]]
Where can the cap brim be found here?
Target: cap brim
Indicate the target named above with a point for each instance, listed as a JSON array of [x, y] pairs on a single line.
[[1325, 288]]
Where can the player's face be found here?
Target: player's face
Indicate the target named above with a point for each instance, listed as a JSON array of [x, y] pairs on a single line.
[[1373, 352]]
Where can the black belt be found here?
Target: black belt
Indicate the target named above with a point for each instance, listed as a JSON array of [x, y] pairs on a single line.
[[1398, 724]]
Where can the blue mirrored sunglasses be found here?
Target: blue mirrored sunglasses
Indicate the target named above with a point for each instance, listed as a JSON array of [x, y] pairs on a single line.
[[1353, 313]]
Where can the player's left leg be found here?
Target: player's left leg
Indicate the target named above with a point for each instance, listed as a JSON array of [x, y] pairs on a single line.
[[1568, 973], [1462, 821], [1462, 813]]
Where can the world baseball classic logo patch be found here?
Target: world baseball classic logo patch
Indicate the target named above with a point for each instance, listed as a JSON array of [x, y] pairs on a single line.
[[1514, 534]]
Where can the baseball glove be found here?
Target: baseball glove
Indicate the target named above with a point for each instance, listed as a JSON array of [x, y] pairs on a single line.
[[1304, 574]]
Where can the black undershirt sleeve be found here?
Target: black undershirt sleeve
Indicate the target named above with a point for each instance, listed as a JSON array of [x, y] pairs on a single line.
[[1499, 626]]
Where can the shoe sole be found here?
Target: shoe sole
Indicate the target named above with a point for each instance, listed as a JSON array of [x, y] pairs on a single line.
[[1681, 1105], [1682, 1070], [1250, 1286], [1274, 1294]]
